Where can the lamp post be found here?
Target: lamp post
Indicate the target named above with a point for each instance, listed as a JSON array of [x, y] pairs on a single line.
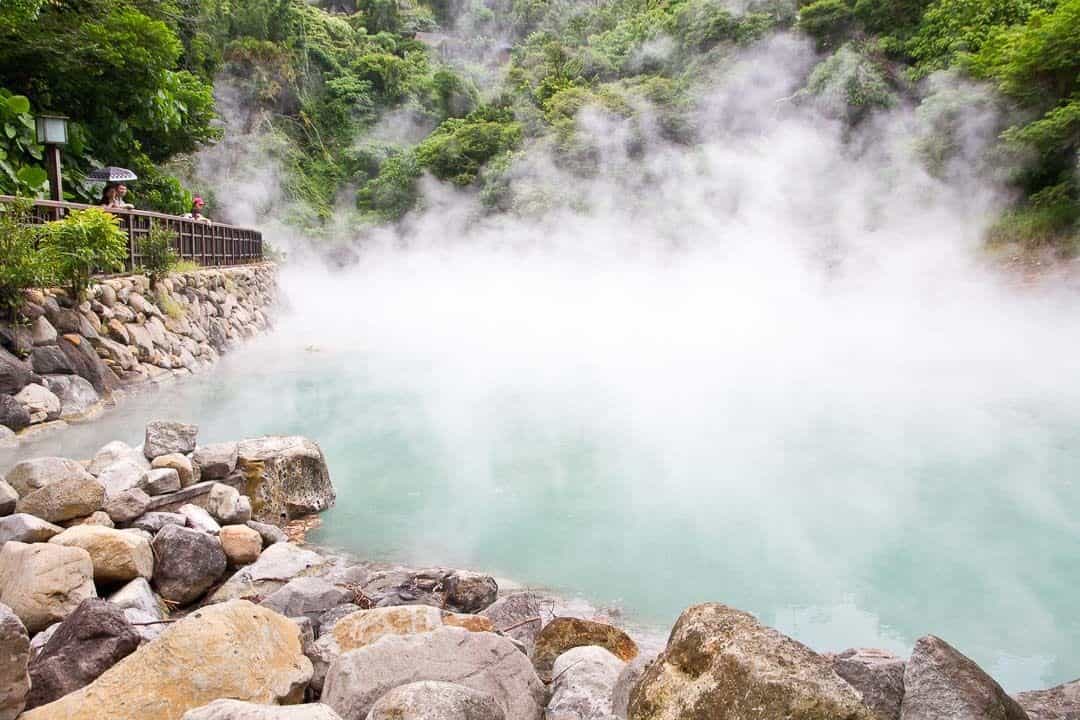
[[52, 133]]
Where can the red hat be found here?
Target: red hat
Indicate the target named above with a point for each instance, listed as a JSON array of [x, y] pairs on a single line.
[[197, 201]]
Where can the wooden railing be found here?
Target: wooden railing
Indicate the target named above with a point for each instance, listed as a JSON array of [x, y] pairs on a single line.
[[204, 243]]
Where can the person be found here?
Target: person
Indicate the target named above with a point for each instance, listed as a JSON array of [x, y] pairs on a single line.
[[112, 197], [196, 210]]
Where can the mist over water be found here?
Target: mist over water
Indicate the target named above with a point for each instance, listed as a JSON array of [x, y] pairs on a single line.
[[774, 369]]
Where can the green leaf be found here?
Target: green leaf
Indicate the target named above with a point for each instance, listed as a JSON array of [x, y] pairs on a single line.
[[10, 130], [32, 176], [18, 104]]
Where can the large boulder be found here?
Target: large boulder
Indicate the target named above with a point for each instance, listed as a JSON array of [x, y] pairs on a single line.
[[117, 555], [85, 361], [187, 563], [628, 679], [43, 332], [14, 373], [469, 592], [121, 476], [276, 566], [114, 452], [9, 498], [233, 650], [721, 663], [126, 506], [44, 583], [87, 643], [14, 658], [564, 633], [164, 437], [305, 596], [151, 522], [270, 534], [31, 475], [941, 683], [160, 481], [431, 700], [66, 499], [227, 505], [42, 404], [216, 461], [287, 477], [13, 414], [518, 615], [584, 684], [239, 710], [362, 628], [137, 595], [25, 528], [199, 519], [1061, 702], [50, 360], [482, 661], [242, 546], [877, 674], [78, 398], [181, 464]]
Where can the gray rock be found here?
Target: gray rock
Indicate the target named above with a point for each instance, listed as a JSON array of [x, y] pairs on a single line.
[[84, 359], [239, 710], [137, 595], [43, 583], [469, 592], [216, 461], [39, 402], [940, 683], [30, 475], [120, 476], [77, 396], [151, 522], [43, 332], [436, 701], [25, 528], [226, 505], [293, 478], [8, 498], [146, 625], [65, 320], [38, 641], [1061, 702], [188, 563], [584, 684], [481, 661], [15, 653], [114, 452], [14, 373], [99, 517], [181, 464], [277, 565], [64, 500], [878, 675], [270, 533], [88, 642], [8, 439], [628, 679], [12, 413], [330, 618], [199, 519], [164, 437], [50, 360], [516, 609], [160, 481], [309, 597], [127, 506]]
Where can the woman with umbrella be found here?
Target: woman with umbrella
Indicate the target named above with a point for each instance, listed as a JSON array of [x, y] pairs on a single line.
[[112, 197]]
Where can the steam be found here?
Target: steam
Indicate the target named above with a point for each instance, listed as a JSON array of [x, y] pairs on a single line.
[[774, 368]]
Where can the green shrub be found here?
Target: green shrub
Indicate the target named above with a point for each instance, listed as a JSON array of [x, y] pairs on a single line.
[[85, 242], [460, 146], [158, 256], [21, 265], [827, 21], [393, 192], [1051, 218]]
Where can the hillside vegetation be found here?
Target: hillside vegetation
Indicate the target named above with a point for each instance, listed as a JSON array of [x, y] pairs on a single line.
[[326, 81]]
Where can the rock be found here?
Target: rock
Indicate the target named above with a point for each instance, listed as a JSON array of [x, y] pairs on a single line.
[[106, 294], [564, 633], [1061, 702], [940, 683], [878, 675], [305, 596], [39, 402], [128, 505], [515, 609], [436, 701], [151, 522], [63, 319], [50, 360], [140, 338], [117, 331], [628, 679], [12, 413], [77, 396], [34, 433], [8, 499], [216, 461], [721, 663], [146, 626], [14, 657], [117, 555], [233, 650], [469, 592], [584, 684], [87, 643], [8, 439], [137, 595], [188, 563], [14, 373], [25, 528], [160, 481], [237, 710], [38, 641], [85, 361], [121, 476], [277, 565], [329, 619], [226, 505], [180, 463], [270, 534], [199, 519], [289, 477], [30, 475], [164, 437], [242, 546], [115, 452], [481, 661], [64, 500], [43, 332], [43, 583], [98, 517]]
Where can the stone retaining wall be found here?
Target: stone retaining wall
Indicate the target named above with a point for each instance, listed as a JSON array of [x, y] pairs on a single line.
[[63, 362]]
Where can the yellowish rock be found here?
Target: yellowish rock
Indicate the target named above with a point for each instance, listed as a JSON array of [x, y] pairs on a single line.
[[232, 650], [118, 555], [241, 544], [44, 583]]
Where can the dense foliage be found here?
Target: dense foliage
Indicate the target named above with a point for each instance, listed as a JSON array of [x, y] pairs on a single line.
[[158, 257], [82, 244], [21, 265]]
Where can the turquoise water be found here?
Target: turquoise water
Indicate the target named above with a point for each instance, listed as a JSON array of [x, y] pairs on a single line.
[[842, 530]]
